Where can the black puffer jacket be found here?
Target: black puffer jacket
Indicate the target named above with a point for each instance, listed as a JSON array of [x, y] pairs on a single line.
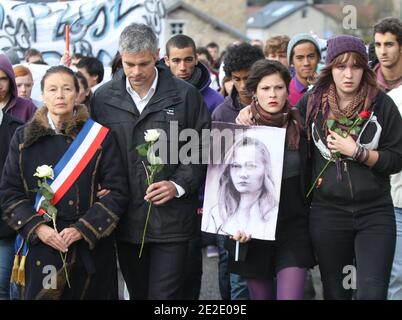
[[176, 102], [361, 186]]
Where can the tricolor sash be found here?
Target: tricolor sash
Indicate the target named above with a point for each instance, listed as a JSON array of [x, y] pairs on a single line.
[[66, 172]]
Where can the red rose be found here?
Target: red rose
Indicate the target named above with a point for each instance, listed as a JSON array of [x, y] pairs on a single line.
[[365, 114]]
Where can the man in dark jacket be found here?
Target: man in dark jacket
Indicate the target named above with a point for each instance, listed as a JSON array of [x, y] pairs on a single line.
[[146, 96], [181, 58], [19, 108], [7, 235]]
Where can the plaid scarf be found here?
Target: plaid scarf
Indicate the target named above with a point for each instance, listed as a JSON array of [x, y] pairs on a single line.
[[358, 103]]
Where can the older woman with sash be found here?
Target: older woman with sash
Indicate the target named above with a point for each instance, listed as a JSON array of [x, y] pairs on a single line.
[[65, 248]]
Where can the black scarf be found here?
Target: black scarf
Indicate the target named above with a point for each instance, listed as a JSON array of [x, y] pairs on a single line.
[[288, 118]]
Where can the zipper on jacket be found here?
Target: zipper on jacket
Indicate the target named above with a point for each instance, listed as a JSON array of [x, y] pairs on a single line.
[[345, 169]]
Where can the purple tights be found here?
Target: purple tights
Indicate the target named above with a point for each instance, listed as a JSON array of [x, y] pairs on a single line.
[[289, 285]]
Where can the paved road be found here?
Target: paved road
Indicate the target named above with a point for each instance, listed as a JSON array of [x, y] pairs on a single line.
[[209, 285], [210, 288]]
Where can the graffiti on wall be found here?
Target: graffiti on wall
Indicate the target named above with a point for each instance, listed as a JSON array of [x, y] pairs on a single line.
[[95, 25]]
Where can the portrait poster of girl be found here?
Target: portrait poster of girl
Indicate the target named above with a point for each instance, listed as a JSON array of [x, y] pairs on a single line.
[[243, 186]]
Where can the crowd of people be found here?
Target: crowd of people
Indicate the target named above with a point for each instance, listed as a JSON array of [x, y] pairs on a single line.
[[341, 189]]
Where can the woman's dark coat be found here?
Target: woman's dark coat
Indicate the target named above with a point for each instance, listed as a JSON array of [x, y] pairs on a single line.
[[92, 265]]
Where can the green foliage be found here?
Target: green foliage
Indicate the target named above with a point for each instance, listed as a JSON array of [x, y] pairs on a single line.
[[331, 124], [338, 131], [345, 121], [52, 211], [355, 131], [46, 191], [142, 149]]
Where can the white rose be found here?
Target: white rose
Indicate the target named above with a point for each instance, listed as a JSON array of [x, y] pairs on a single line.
[[151, 135], [44, 171]]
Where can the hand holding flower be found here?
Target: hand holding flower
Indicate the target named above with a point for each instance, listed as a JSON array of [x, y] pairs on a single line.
[[48, 211], [160, 192], [51, 237], [70, 235], [337, 143], [340, 142]]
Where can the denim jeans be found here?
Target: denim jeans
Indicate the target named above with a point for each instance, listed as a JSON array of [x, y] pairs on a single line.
[[231, 286], [6, 265], [395, 282], [239, 287]]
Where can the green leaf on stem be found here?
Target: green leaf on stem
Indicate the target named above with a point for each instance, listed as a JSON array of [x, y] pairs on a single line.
[[52, 211], [339, 131], [45, 204], [343, 120], [46, 194], [331, 124], [355, 131], [349, 122], [46, 186], [142, 149], [359, 121]]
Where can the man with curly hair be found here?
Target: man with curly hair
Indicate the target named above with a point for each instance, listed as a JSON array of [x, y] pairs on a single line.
[[237, 64]]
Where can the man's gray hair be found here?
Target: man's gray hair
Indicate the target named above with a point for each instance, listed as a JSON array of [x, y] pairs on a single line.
[[137, 38]]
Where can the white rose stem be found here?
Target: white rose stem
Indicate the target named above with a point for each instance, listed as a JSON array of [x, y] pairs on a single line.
[[237, 250], [63, 257]]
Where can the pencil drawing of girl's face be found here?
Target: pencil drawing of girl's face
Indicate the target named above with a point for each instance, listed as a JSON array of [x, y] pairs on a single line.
[[247, 169]]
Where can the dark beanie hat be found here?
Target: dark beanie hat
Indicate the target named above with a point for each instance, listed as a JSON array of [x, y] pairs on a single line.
[[345, 43]]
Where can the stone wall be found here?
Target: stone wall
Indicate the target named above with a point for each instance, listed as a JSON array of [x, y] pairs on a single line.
[[199, 30]]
